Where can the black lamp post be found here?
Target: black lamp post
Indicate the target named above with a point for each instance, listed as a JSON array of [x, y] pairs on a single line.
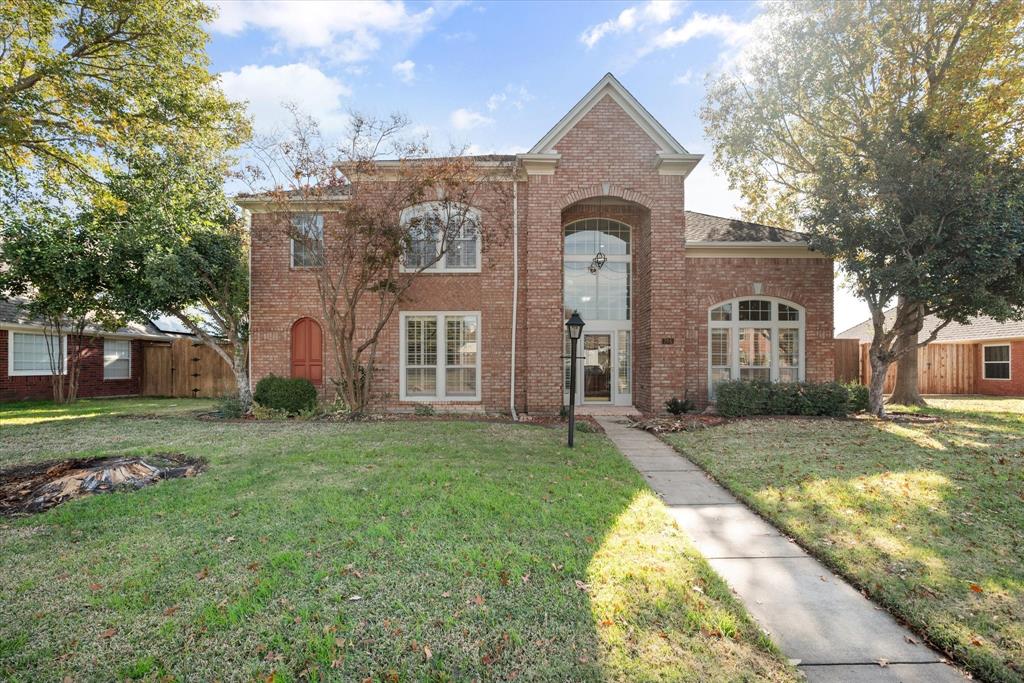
[[575, 326]]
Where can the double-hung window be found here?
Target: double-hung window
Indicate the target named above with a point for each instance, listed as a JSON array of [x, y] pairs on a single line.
[[117, 359], [33, 353], [996, 361], [442, 238], [307, 239], [755, 339], [440, 357]]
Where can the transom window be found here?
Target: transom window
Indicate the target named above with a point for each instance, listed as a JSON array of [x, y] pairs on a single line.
[[443, 237], [996, 361], [597, 269], [117, 359], [307, 240], [755, 339], [31, 352], [440, 357]]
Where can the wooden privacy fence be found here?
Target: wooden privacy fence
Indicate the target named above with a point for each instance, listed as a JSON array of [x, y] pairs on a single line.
[[847, 360], [941, 369], [185, 369]]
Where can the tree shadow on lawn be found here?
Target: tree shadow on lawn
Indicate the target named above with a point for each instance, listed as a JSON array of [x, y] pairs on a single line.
[[428, 551], [30, 413], [929, 519]]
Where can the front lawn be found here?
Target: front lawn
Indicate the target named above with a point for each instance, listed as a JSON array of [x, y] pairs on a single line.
[[927, 518], [401, 550]]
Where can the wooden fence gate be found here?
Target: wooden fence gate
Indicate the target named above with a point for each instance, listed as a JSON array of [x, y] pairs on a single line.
[[185, 369], [847, 360], [941, 369]]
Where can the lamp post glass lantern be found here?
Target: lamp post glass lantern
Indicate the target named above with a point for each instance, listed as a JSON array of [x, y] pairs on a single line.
[[574, 325]]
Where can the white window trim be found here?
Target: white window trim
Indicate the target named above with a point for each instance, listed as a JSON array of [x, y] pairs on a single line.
[[735, 324], [11, 372], [440, 267], [1008, 361], [441, 357], [291, 241], [130, 354]]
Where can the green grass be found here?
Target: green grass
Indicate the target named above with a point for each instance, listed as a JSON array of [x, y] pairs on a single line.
[[390, 551], [927, 518]]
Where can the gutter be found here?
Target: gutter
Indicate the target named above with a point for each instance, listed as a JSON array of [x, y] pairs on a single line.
[[515, 296]]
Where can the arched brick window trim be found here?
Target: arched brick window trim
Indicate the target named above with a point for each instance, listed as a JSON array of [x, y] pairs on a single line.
[[307, 350]]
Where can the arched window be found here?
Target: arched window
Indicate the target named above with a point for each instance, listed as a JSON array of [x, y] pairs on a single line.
[[756, 338], [443, 237], [307, 356], [597, 264]]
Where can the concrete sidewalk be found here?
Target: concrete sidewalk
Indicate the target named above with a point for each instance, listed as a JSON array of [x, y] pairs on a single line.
[[830, 630]]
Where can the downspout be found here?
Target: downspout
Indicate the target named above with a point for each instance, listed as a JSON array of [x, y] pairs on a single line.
[[515, 296]]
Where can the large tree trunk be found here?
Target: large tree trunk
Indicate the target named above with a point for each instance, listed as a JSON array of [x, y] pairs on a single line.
[[905, 392], [241, 371], [876, 389]]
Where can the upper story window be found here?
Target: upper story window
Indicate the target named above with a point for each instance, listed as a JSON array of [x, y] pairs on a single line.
[[597, 269], [755, 339], [307, 239], [996, 361], [36, 354], [443, 237]]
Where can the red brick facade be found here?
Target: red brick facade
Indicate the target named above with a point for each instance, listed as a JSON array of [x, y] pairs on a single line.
[[608, 167], [1001, 387], [90, 383]]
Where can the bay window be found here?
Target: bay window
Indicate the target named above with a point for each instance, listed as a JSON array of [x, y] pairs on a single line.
[[756, 338], [440, 356]]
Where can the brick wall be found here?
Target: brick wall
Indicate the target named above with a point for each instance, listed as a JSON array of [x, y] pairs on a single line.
[[90, 383], [997, 387]]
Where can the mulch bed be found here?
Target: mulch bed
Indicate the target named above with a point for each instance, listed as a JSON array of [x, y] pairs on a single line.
[[41, 486], [682, 423]]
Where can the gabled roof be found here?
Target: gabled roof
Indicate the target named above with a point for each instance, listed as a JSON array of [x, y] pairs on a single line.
[[702, 227], [668, 147], [978, 329]]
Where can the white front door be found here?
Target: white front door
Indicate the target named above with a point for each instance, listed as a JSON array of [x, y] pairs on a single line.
[[603, 372]]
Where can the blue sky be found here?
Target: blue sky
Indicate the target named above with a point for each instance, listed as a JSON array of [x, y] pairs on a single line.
[[492, 75]]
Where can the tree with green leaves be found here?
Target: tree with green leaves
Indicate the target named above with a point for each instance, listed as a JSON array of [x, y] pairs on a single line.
[[86, 84], [59, 265], [891, 132]]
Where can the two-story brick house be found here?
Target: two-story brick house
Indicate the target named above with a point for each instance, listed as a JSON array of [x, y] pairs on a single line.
[[673, 300]]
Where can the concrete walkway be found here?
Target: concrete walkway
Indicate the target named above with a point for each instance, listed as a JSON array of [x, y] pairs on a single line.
[[829, 630]]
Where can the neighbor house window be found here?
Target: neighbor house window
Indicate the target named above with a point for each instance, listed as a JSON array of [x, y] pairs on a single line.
[[30, 353], [755, 339], [443, 237], [440, 356], [997, 361], [117, 359], [307, 240]]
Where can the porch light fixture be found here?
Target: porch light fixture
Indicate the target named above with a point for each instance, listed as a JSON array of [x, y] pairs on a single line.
[[574, 325]]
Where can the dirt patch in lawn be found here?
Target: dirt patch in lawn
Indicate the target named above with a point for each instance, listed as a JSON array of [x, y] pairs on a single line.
[[41, 486]]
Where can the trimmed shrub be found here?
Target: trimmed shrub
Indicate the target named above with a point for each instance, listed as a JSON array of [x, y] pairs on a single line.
[[740, 398], [858, 397], [291, 395], [678, 406]]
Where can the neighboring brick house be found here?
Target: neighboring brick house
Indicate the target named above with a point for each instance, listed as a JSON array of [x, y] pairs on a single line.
[[982, 357], [601, 227], [111, 363]]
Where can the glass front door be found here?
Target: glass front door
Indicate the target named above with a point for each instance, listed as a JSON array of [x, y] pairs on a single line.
[[597, 368]]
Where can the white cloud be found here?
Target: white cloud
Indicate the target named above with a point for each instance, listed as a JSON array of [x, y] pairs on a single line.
[[630, 19], [515, 96], [464, 119], [684, 78], [721, 26], [406, 71], [347, 31], [266, 88]]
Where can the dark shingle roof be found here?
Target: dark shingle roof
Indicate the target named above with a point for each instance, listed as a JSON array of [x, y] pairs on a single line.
[[701, 227], [981, 327], [13, 313]]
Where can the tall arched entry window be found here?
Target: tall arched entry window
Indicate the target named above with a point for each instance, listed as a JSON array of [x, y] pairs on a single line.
[[307, 357], [597, 260], [755, 338]]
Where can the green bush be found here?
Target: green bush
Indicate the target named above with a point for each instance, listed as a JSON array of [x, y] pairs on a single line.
[[740, 398], [858, 397], [230, 407], [423, 409], [291, 395], [678, 406]]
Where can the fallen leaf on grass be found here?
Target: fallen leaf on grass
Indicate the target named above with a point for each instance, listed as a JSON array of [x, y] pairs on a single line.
[[427, 653], [446, 594], [109, 633], [526, 578], [976, 641], [503, 577], [353, 598], [607, 622], [203, 574], [976, 588], [169, 612], [95, 587], [478, 600], [582, 586]]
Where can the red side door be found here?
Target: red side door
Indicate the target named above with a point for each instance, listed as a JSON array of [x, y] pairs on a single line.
[[307, 350]]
